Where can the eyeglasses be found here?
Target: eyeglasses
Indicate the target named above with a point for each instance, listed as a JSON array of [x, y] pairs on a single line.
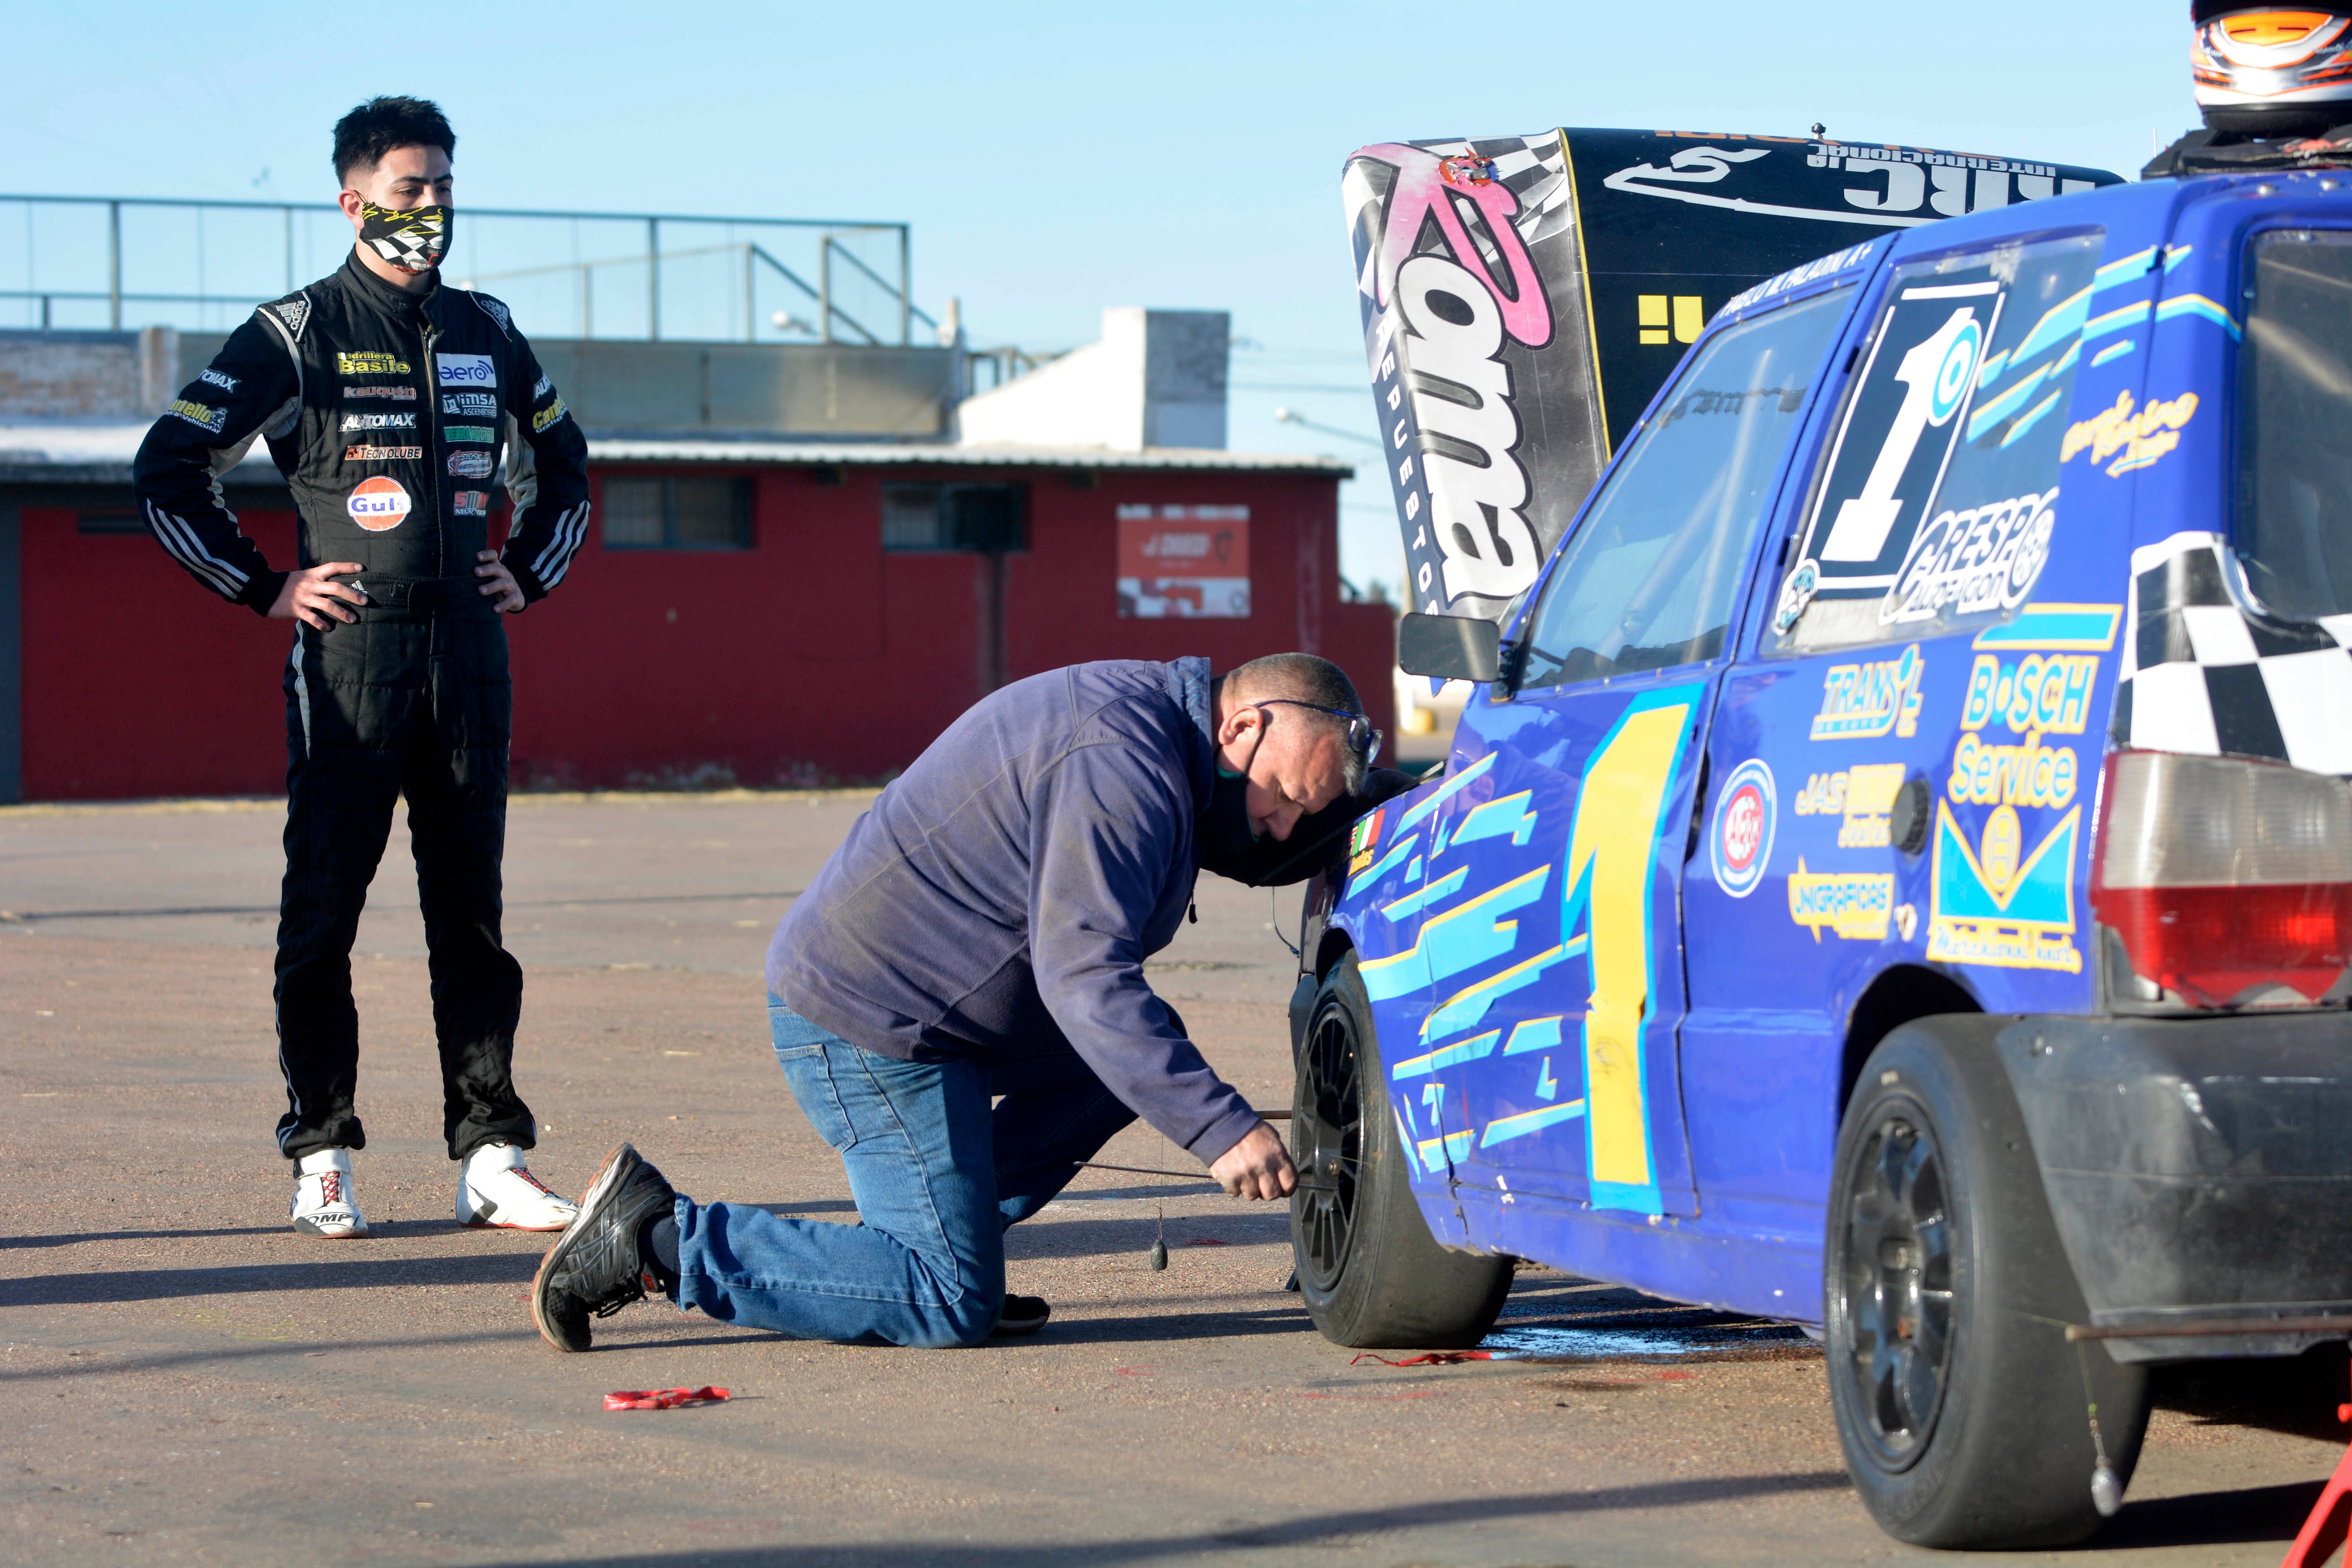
[[1362, 739]]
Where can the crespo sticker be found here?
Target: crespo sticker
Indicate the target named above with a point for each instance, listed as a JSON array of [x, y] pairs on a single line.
[[378, 504], [1739, 841]]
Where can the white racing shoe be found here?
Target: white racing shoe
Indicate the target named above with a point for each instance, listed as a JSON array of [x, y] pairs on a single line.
[[323, 1203], [494, 1188]]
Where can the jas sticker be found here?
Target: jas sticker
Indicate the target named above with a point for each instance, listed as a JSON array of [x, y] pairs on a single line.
[[216, 378], [467, 370], [483, 433], [379, 421], [1739, 843], [470, 464], [1864, 796], [369, 362], [1996, 904], [469, 405], [377, 504], [548, 416], [201, 415], [2139, 437], [1862, 701], [1856, 905], [470, 503], [383, 454], [401, 394]]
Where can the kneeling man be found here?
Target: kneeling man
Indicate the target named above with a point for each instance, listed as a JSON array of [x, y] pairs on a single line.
[[982, 932]]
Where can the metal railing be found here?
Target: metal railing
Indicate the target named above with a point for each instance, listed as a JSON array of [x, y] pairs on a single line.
[[679, 294], [1002, 365]]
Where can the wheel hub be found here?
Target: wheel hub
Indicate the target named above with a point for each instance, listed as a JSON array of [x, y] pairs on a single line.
[[1327, 1126], [1897, 1286]]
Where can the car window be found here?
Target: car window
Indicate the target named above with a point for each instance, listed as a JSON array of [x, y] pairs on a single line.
[[1648, 578], [2294, 526], [1940, 490]]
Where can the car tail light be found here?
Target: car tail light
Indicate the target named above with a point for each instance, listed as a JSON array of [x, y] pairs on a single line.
[[2226, 879]]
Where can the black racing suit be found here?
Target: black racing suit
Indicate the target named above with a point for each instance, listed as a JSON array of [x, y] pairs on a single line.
[[387, 413]]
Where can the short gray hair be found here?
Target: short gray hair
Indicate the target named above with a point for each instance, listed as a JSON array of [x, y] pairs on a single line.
[[1302, 678]]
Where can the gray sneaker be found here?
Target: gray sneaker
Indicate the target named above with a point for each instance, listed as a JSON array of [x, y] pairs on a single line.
[[595, 1269]]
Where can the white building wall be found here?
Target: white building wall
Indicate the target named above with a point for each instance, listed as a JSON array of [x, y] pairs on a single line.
[[1156, 378]]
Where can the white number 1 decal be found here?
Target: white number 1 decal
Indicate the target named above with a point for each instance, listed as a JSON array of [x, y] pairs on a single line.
[[1935, 376]]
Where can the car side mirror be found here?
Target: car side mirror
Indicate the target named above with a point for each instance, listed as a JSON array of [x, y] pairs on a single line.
[[1450, 648]]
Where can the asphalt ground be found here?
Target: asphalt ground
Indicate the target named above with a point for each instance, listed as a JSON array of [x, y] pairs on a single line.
[[186, 1380]]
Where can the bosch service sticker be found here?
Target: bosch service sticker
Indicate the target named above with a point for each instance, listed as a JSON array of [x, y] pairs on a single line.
[[378, 504], [1739, 840]]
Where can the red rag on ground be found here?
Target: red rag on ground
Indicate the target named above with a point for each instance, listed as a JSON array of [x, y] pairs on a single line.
[[662, 1398], [1427, 1358]]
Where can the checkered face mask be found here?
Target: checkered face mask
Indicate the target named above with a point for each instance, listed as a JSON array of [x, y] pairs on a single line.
[[414, 241]]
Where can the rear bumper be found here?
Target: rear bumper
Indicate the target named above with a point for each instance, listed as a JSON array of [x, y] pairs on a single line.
[[2197, 1168]]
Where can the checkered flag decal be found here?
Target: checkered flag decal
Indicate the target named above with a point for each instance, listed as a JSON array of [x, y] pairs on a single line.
[[1534, 169], [2202, 675]]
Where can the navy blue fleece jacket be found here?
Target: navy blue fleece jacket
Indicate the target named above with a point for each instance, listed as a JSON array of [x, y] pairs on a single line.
[[999, 900]]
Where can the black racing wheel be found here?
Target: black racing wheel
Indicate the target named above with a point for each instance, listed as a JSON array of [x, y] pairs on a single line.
[[1962, 1409], [1372, 1276]]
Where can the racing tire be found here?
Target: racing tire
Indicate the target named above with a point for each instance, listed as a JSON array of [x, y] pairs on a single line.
[[1961, 1409], [1372, 1276]]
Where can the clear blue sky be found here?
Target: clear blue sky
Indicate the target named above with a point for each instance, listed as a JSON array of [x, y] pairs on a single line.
[[1057, 159]]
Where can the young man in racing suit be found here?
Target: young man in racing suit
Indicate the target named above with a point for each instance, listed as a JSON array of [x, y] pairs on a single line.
[[386, 397]]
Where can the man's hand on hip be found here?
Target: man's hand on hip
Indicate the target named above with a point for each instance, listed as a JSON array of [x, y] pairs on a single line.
[[1256, 1167], [498, 585], [311, 596]]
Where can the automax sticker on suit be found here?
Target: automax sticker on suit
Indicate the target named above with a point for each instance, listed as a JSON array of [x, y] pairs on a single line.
[[467, 370]]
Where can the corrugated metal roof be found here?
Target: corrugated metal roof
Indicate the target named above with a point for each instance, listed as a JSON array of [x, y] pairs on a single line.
[[866, 454], [54, 451]]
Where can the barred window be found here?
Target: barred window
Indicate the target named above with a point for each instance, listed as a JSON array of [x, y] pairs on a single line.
[[677, 512], [991, 518]]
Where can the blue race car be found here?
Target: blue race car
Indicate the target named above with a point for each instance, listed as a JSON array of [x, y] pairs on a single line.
[[1895, 873]]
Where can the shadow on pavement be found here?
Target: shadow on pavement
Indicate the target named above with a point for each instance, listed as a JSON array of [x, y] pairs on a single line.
[[700, 1332], [103, 1363], [344, 1273], [1059, 1238], [1315, 1530], [1174, 1326], [2211, 1518], [30, 916], [75, 1239], [2297, 1396]]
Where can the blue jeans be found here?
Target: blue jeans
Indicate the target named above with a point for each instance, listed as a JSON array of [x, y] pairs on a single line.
[[936, 1176]]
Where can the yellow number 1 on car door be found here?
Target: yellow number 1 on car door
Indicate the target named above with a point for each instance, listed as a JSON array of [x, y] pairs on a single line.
[[1611, 861]]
